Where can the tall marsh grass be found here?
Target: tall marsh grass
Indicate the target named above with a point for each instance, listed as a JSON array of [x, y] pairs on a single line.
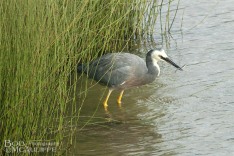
[[41, 43]]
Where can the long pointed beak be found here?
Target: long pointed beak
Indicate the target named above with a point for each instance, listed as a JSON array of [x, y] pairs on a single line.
[[171, 62]]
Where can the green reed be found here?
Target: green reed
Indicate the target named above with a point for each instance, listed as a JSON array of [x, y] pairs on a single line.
[[41, 44]]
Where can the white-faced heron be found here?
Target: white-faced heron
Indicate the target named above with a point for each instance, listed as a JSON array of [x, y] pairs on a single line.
[[120, 71]]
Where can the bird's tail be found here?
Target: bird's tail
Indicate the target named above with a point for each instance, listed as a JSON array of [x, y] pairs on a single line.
[[81, 68]]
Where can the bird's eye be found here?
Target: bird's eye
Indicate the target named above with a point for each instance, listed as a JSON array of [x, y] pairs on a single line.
[[160, 56]]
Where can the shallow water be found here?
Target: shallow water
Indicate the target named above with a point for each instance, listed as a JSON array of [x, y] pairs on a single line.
[[181, 113]]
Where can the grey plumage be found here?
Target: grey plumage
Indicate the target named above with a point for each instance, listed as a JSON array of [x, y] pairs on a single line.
[[121, 70], [124, 70]]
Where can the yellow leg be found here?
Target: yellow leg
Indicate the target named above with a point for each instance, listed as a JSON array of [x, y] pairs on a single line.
[[106, 100], [120, 97]]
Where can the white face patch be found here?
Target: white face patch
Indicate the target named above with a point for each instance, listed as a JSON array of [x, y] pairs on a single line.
[[156, 55]]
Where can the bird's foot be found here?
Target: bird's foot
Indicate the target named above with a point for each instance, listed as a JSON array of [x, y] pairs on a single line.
[[119, 102], [120, 98], [105, 106]]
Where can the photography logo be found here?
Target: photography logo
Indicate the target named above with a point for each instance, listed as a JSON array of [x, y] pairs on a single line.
[[29, 147]]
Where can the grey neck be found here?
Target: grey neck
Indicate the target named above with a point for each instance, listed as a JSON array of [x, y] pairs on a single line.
[[152, 66], [152, 71]]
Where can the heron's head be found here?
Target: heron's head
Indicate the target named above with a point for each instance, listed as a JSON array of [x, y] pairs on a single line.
[[160, 55]]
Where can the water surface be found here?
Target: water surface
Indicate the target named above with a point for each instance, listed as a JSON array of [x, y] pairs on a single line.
[[181, 113]]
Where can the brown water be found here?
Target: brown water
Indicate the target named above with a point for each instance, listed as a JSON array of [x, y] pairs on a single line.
[[181, 113]]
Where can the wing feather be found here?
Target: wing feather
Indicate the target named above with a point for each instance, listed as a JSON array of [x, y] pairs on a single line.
[[115, 68]]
